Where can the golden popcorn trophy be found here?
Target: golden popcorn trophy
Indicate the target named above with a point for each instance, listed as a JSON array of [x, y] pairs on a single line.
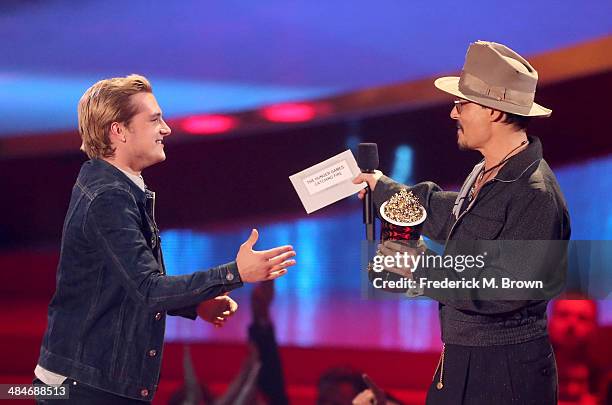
[[402, 218]]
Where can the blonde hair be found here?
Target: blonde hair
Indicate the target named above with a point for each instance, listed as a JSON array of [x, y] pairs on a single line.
[[106, 102]]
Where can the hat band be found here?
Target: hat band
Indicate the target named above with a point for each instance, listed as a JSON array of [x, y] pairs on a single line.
[[470, 84]]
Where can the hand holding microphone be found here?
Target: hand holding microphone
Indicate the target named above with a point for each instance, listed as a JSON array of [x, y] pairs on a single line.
[[367, 159], [370, 178]]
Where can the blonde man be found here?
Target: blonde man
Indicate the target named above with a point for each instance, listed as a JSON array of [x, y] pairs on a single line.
[[105, 329]]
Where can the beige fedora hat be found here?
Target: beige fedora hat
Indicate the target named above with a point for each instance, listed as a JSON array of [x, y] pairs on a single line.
[[495, 76]]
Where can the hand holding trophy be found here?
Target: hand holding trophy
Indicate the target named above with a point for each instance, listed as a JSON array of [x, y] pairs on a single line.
[[400, 238]]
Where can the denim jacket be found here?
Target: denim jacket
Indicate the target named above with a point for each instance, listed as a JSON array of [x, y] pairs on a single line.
[[106, 320]]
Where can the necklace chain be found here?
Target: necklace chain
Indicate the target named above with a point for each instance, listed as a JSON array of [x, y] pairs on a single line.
[[481, 176]]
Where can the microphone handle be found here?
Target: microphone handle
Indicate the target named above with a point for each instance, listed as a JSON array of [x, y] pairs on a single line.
[[368, 215]]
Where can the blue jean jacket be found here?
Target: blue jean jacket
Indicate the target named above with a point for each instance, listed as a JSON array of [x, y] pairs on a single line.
[[106, 320]]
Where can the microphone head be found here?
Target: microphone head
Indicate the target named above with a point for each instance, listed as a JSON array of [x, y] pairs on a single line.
[[367, 157]]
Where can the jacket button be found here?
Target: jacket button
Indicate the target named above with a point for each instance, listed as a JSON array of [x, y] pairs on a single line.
[[152, 353], [229, 276], [144, 392], [158, 316]]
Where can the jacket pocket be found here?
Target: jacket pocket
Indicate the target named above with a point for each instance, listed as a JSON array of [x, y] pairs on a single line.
[[118, 334], [476, 227], [533, 372]]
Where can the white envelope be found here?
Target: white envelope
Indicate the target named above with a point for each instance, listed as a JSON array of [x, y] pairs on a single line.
[[327, 182]]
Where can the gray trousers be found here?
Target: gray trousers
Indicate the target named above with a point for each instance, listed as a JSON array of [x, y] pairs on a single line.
[[524, 373]]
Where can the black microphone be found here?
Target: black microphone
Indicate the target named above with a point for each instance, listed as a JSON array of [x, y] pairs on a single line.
[[367, 159]]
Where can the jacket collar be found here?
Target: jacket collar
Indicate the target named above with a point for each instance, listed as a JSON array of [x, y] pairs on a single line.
[[521, 163], [103, 165]]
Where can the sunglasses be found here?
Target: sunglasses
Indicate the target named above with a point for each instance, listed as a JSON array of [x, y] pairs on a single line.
[[459, 104]]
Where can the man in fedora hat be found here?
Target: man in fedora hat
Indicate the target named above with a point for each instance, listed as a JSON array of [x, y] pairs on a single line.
[[495, 351]]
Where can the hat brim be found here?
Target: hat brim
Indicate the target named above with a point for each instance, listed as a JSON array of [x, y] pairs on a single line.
[[450, 84]]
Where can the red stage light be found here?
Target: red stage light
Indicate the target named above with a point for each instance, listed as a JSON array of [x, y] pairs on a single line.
[[289, 112], [208, 124]]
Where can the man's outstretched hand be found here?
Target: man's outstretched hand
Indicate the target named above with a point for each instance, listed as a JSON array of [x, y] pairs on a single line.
[[217, 310], [255, 266]]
